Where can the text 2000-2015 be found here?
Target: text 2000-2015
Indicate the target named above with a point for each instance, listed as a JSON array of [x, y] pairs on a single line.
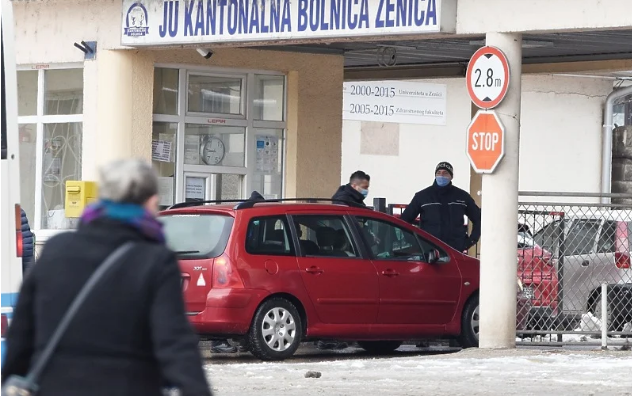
[[374, 91]]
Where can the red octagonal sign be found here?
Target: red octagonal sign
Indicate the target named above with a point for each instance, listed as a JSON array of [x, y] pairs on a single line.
[[485, 142]]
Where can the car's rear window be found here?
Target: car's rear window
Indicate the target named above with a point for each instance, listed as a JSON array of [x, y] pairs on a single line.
[[197, 235]]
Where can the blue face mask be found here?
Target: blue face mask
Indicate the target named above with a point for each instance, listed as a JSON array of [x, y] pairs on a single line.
[[442, 181], [364, 192]]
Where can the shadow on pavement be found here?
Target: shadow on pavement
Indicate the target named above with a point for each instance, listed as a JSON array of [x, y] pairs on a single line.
[[309, 353]]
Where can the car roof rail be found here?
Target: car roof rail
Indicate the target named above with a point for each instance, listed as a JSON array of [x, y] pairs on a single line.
[[202, 203], [250, 203]]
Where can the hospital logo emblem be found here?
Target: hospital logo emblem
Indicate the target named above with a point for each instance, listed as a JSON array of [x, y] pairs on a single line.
[[136, 21]]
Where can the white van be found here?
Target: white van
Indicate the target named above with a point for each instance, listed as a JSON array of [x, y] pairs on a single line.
[[10, 224]]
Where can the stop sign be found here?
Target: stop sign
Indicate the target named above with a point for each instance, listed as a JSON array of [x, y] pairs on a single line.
[[485, 141]]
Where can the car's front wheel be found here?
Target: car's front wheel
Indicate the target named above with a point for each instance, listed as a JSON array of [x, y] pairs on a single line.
[[276, 330], [379, 347], [470, 322]]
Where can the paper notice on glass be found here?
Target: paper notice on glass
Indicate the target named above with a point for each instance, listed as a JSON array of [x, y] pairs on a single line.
[[165, 191], [161, 150], [267, 154], [195, 188], [192, 149]]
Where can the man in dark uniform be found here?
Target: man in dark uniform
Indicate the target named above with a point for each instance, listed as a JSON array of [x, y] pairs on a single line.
[[349, 194], [442, 208], [355, 191]]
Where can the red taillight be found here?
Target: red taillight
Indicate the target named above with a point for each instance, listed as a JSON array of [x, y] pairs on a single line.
[[18, 231], [622, 260], [225, 275], [5, 324]]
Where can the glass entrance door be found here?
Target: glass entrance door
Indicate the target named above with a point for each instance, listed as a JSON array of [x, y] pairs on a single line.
[[219, 134]]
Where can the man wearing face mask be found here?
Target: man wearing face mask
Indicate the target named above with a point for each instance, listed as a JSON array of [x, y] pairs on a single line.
[[355, 191], [442, 207]]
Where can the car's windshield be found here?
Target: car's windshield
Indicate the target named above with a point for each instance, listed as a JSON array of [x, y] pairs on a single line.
[[197, 235], [525, 240]]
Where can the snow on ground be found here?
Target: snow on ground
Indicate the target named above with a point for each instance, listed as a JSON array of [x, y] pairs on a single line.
[[469, 372]]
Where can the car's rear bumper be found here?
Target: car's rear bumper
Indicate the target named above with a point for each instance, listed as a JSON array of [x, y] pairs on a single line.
[[228, 311]]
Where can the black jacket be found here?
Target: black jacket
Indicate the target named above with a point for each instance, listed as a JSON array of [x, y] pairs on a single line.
[[346, 195], [442, 211], [131, 336]]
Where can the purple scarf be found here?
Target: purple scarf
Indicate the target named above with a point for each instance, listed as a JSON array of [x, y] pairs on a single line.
[[131, 214]]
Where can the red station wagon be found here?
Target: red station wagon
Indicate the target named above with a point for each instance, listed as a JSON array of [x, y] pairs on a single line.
[[271, 275]]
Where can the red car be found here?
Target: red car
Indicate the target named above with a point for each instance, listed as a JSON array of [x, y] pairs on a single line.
[[539, 277], [271, 275], [537, 304]]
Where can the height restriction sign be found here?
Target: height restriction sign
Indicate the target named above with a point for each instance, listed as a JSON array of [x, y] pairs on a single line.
[[487, 77]]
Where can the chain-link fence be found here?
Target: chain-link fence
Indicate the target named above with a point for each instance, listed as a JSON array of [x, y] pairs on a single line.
[[566, 250]]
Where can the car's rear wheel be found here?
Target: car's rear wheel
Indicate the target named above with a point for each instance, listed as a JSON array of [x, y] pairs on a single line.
[[379, 347], [276, 330], [470, 322]]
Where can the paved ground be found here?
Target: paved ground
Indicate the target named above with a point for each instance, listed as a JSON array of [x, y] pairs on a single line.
[[434, 371]]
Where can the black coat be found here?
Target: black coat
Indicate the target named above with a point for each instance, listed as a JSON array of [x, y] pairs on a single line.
[[131, 336], [441, 211], [346, 195]]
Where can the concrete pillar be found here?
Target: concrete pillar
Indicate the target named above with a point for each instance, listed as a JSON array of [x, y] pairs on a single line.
[[499, 216], [114, 105], [124, 94], [292, 132]]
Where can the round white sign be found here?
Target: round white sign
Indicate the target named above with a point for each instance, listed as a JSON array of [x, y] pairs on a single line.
[[487, 77]]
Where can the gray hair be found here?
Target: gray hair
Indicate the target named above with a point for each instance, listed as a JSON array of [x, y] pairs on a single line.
[[127, 181]]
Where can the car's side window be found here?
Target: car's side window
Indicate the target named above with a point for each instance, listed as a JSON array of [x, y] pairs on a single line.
[[427, 247], [325, 236], [581, 237], [390, 242], [269, 236], [607, 238], [549, 237]]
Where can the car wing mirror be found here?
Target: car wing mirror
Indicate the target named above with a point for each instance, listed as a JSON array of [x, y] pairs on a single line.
[[433, 256]]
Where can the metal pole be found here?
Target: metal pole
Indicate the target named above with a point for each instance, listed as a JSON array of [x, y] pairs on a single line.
[[499, 216], [604, 316], [379, 204], [560, 276], [606, 157]]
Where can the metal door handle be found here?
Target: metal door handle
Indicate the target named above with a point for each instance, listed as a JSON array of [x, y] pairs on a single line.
[[314, 270], [585, 263], [390, 272]]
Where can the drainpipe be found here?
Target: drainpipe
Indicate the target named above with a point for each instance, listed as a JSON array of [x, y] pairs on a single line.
[[606, 158]]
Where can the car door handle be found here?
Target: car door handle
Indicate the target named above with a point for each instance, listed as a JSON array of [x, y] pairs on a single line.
[[313, 270], [390, 272], [585, 263]]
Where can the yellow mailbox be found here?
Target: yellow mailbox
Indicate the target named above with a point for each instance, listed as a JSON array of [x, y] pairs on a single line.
[[78, 195]]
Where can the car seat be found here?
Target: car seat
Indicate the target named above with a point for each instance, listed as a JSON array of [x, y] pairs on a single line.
[[275, 242], [326, 237], [342, 243]]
